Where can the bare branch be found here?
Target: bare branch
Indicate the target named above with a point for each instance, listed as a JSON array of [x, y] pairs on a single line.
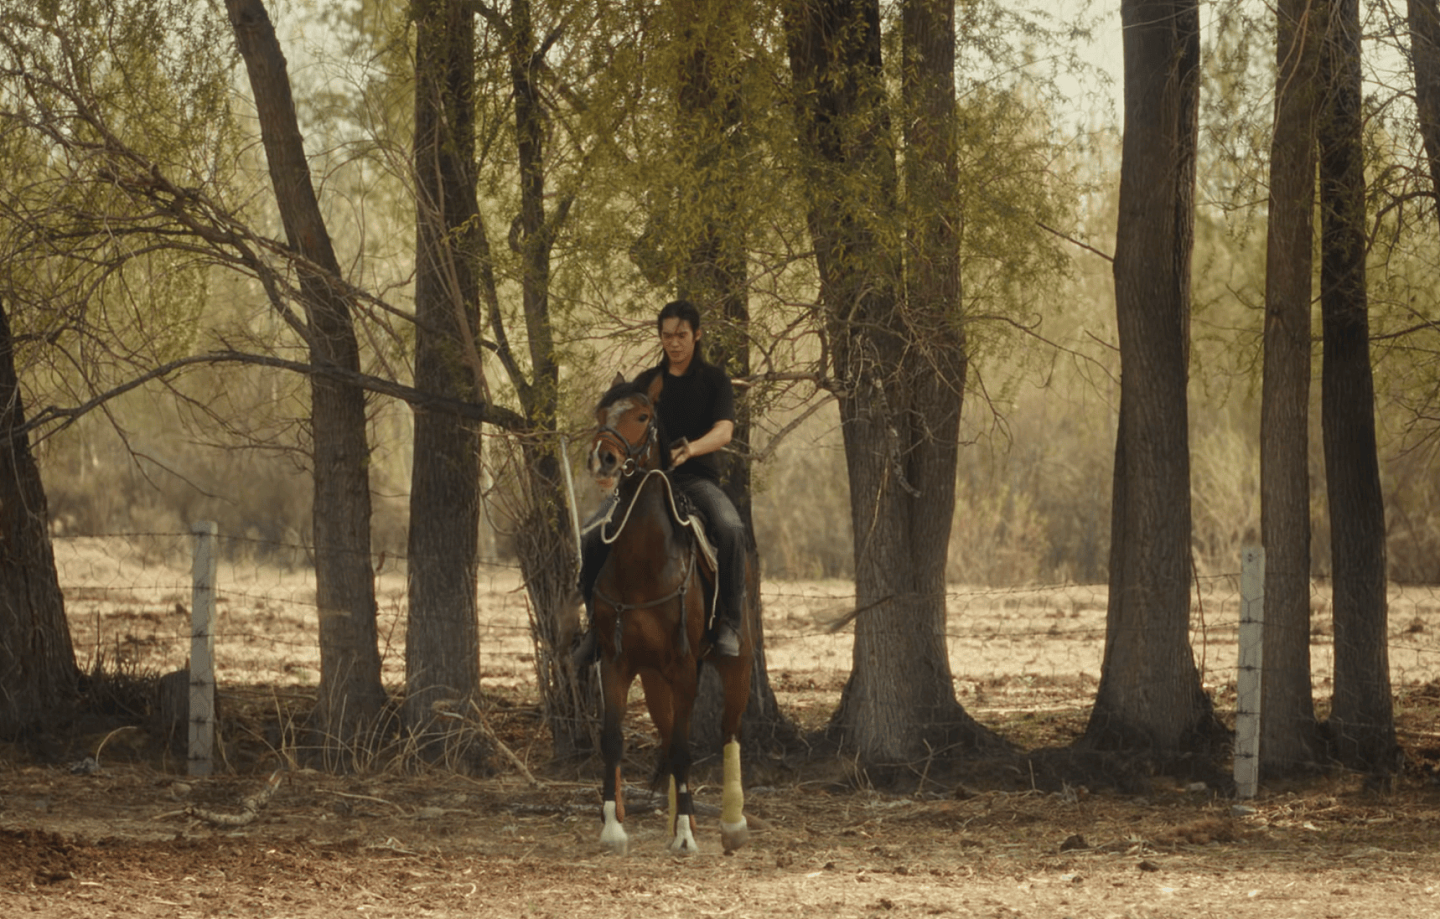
[[419, 400]]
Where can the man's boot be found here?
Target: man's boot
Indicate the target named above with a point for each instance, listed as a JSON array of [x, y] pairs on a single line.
[[587, 649], [727, 636]]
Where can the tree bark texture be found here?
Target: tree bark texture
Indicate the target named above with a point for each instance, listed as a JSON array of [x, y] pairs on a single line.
[[713, 275], [1150, 694], [1424, 19], [1288, 728], [547, 549], [351, 695], [1361, 716], [442, 643], [897, 422], [37, 658]]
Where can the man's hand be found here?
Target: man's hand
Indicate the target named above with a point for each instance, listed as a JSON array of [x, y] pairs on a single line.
[[680, 452]]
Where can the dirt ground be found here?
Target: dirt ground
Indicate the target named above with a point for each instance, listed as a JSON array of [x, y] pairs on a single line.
[[118, 843], [138, 837]]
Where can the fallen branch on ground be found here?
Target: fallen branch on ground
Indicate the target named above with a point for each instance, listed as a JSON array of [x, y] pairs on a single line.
[[250, 807]]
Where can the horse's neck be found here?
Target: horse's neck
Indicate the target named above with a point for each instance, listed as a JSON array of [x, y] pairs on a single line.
[[648, 495]]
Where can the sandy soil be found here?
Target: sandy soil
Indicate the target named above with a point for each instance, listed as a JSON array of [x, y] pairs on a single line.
[[131, 839]]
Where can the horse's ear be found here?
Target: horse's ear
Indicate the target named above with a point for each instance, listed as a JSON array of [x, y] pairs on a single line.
[[619, 378], [656, 385]]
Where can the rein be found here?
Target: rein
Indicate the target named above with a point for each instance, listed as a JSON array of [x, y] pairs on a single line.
[[619, 607], [634, 455]]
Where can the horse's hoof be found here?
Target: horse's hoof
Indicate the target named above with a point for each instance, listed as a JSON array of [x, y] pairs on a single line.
[[684, 847], [734, 835], [613, 838]]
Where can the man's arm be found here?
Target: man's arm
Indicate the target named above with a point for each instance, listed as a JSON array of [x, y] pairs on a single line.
[[715, 439]]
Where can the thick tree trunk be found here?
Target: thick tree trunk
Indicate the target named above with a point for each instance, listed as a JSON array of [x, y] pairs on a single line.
[[898, 405], [1361, 715], [713, 274], [442, 643], [1288, 729], [37, 659], [547, 548], [350, 693], [1150, 695], [1424, 17]]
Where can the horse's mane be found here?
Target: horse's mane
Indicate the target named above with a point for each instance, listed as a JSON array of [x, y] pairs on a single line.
[[627, 388]]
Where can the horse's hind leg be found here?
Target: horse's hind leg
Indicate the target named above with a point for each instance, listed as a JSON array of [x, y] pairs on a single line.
[[615, 687], [678, 701]]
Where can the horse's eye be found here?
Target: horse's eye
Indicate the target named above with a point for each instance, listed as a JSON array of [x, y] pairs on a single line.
[[644, 418]]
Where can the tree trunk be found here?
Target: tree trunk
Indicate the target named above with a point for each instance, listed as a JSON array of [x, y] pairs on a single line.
[[548, 563], [1150, 695], [898, 406], [442, 642], [1424, 17], [1361, 718], [1288, 729], [37, 659], [350, 693], [547, 549], [713, 273]]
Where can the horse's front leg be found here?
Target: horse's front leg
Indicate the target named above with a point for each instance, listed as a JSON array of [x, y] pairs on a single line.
[[735, 678], [615, 686], [734, 828]]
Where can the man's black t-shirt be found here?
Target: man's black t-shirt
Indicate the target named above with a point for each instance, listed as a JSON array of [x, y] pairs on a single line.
[[689, 407]]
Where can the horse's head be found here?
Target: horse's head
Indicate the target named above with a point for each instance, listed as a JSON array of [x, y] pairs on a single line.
[[628, 436]]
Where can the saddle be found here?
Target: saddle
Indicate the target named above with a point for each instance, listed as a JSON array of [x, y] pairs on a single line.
[[687, 516]]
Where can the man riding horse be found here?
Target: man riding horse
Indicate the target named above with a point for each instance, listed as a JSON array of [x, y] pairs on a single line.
[[697, 410]]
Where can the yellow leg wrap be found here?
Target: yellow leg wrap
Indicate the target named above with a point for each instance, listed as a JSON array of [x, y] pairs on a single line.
[[732, 801]]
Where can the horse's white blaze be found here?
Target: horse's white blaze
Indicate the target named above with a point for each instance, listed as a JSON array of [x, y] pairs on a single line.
[[617, 410], [613, 413], [613, 836]]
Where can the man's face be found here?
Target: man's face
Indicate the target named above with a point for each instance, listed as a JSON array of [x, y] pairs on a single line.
[[678, 340]]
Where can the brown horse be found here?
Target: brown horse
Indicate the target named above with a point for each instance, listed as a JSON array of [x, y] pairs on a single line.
[[650, 608]]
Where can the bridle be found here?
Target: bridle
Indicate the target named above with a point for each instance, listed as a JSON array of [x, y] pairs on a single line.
[[636, 455]]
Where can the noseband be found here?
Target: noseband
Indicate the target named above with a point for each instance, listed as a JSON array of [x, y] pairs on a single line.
[[635, 454]]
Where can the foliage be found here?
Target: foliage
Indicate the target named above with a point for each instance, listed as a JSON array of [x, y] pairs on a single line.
[[94, 308]]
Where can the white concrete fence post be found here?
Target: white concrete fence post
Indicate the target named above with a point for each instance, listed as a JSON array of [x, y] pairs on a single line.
[[1248, 679], [202, 651]]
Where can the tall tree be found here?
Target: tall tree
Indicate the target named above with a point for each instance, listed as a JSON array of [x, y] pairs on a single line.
[[1150, 695], [442, 644], [899, 401], [1424, 21], [350, 693], [37, 658], [546, 547], [1361, 715], [713, 147], [1288, 728]]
